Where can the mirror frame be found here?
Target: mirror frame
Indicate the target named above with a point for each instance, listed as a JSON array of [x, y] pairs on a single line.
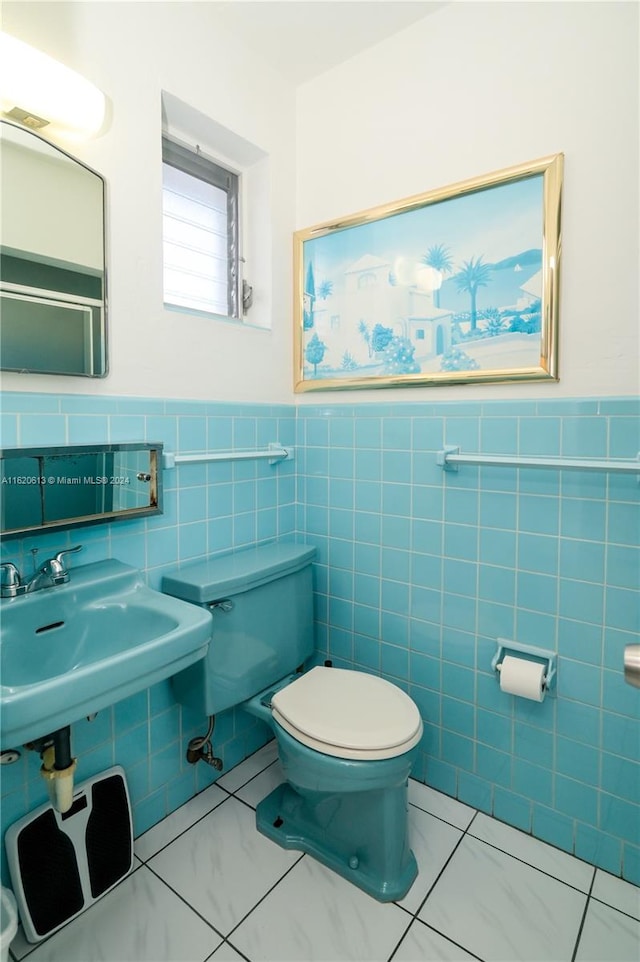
[[155, 505], [105, 297]]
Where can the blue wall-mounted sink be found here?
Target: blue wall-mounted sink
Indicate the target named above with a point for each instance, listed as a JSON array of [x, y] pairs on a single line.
[[68, 651]]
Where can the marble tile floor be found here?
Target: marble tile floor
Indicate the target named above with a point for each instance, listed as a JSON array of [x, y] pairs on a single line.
[[208, 886]]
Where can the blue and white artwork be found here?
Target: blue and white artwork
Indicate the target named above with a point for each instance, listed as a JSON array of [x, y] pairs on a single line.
[[446, 287]]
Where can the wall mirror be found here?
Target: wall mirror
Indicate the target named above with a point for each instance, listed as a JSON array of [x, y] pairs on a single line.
[[52, 259], [63, 487]]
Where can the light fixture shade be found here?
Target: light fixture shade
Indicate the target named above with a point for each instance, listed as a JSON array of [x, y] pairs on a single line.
[[42, 93]]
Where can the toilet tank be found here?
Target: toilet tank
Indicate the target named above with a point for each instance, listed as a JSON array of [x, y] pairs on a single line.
[[262, 605]]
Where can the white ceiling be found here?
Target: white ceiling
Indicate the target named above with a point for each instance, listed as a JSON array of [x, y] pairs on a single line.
[[303, 38]]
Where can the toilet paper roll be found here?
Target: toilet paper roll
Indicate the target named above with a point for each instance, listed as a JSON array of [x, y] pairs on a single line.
[[521, 677]]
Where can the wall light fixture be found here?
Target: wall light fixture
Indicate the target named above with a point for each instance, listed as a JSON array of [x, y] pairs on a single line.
[[43, 94]]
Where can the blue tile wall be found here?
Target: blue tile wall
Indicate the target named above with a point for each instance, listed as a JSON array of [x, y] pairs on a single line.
[[418, 573], [208, 509], [420, 576]]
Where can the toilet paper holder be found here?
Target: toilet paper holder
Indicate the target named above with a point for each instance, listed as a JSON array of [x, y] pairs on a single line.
[[505, 645]]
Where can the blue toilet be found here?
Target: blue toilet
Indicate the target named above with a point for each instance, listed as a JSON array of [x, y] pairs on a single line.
[[346, 739]]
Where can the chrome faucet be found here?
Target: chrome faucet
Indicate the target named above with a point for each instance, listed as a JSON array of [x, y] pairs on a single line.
[[10, 581], [52, 572]]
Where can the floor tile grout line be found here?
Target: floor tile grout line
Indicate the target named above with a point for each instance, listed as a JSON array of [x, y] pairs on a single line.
[[439, 876], [616, 908], [413, 916], [422, 904], [561, 851], [402, 908], [188, 904], [473, 818], [222, 788], [46, 938], [449, 939], [401, 939], [457, 827], [524, 861], [466, 832], [440, 818], [235, 949], [547, 874], [584, 916], [252, 808], [268, 892], [230, 795], [209, 958], [249, 780], [244, 760], [145, 861]]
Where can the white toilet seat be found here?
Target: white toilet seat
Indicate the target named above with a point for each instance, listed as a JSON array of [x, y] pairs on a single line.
[[348, 714]]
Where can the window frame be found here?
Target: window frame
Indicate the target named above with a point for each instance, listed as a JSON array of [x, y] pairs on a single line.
[[196, 164]]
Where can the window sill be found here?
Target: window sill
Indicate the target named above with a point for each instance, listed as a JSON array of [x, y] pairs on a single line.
[[210, 316]]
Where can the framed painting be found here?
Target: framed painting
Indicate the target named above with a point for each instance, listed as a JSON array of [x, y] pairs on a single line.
[[456, 285]]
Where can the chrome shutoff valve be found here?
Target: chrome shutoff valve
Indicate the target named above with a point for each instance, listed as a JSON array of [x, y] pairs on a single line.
[[200, 749]]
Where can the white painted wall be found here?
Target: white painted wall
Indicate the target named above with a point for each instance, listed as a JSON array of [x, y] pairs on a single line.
[[133, 51], [478, 87], [472, 88]]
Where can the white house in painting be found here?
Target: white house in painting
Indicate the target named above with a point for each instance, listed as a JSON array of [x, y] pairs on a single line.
[[368, 294], [532, 291]]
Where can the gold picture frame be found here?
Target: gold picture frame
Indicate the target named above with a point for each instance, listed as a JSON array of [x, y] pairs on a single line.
[[456, 285]]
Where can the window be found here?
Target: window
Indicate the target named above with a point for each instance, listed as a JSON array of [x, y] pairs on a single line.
[[366, 280], [200, 232]]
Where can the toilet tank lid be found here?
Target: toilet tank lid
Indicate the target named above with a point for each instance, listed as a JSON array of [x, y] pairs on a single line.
[[231, 574]]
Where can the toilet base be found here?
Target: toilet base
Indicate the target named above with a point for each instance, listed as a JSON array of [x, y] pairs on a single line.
[[356, 835]]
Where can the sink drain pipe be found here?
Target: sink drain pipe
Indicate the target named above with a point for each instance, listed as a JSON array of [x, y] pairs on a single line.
[[58, 767]]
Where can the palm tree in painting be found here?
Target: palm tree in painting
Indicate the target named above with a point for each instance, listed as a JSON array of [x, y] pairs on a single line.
[[363, 330], [495, 324], [325, 289], [308, 299], [438, 257], [472, 275]]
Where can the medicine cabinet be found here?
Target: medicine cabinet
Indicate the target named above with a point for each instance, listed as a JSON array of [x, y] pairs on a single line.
[[63, 487]]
